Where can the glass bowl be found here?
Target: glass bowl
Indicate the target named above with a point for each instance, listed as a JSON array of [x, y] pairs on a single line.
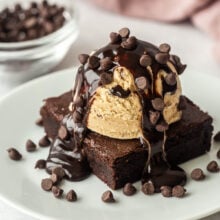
[[21, 61]]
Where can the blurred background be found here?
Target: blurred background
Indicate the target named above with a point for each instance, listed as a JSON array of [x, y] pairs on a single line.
[[192, 28]]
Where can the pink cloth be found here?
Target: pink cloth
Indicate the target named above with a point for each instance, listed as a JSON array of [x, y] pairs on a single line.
[[205, 14]]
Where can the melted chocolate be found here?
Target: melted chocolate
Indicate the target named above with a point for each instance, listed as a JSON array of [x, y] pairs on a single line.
[[120, 92]]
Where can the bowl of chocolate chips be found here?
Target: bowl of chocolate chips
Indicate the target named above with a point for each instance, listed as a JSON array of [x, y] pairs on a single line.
[[34, 36]]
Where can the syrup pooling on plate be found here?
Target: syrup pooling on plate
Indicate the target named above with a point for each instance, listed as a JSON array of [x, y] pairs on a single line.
[[154, 73]]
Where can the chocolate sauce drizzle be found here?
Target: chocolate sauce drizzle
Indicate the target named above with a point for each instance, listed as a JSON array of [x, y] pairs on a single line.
[[69, 153]]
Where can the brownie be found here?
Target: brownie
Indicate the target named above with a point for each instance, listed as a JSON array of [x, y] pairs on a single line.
[[53, 111], [117, 162]]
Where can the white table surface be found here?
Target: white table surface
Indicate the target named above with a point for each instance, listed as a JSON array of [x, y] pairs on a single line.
[[193, 46]]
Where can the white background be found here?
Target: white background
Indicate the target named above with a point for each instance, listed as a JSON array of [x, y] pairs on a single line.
[[193, 46]]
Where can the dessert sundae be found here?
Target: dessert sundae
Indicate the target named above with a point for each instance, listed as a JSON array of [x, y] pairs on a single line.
[[126, 118]]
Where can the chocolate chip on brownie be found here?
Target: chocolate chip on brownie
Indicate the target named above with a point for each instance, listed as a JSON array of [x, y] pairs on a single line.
[[213, 167], [94, 62], [148, 188], [164, 48], [108, 197], [30, 146], [162, 58], [129, 43], [114, 37], [46, 184], [170, 79], [44, 142], [83, 58], [166, 191], [129, 189], [14, 154], [40, 164], [106, 78], [71, 196], [197, 174], [141, 82], [178, 191], [106, 63], [145, 60], [124, 32], [158, 104]]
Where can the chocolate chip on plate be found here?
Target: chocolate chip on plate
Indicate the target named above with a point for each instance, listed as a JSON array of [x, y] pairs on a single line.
[[158, 104], [108, 197], [164, 48], [115, 37], [124, 32], [148, 188], [63, 133], [39, 122], [83, 58], [170, 79], [141, 82], [217, 137], [213, 167], [162, 58], [59, 171], [44, 142], [30, 146], [14, 154], [129, 189], [55, 178], [178, 191], [57, 192], [197, 174], [71, 196], [46, 184], [40, 164], [166, 191], [145, 60]]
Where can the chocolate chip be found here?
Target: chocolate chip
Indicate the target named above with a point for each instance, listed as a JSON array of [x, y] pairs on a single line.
[[44, 142], [170, 79], [83, 58], [94, 62], [46, 184], [30, 22], [79, 101], [106, 78], [71, 196], [145, 60], [124, 32], [141, 83], [166, 191], [129, 189], [178, 191], [218, 154], [179, 66], [162, 58], [14, 154], [213, 167], [154, 117], [164, 48], [129, 43], [63, 133], [108, 197], [148, 188], [55, 178], [30, 146], [106, 63], [158, 104], [217, 137], [115, 37], [197, 174], [40, 164], [59, 171], [77, 116], [57, 192], [162, 126]]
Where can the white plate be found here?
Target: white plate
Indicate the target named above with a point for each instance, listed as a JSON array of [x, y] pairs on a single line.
[[20, 182]]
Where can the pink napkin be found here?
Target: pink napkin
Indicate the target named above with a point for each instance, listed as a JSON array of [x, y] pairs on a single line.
[[205, 14]]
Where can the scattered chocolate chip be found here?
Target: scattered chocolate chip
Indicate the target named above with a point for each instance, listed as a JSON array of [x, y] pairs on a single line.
[[213, 167], [158, 104], [178, 191], [164, 48], [59, 171], [162, 126], [106, 63], [115, 37], [154, 117], [46, 184], [170, 79], [166, 191], [30, 146], [197, 174], [40, 164], [162, 58], [108, 197], [217, 137], [63, 133], [39, 122], [148, 188], [129, 189], [44, 142], [71, 196], [145, 60], [14, 154], [106, 78], [57, 192], [129, 43], [120, 92], [141, 82], [94, 62], [83, 58], [218, 154], [55, 178], [124, 32]]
